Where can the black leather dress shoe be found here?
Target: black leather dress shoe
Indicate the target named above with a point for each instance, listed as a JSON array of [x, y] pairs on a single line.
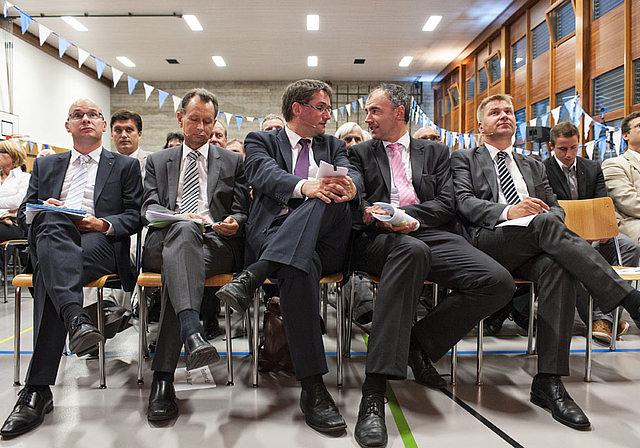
[[320, 411], [162, 401], [424, 372], [198, 352], [371, 431], [493, 324], [83, 335], [212, 330], [28, 412], [522, 320], [239, 291], [550, 394]]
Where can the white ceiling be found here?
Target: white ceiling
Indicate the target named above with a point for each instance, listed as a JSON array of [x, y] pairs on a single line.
[[267, 40]]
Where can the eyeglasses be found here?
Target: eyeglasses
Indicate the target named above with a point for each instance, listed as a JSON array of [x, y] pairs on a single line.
[[433, 138], [92, 115], [319, 108]]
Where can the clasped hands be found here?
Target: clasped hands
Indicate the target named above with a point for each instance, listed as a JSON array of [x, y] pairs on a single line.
[[327, 189]]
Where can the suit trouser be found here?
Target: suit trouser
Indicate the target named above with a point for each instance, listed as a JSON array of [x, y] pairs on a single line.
[[480, 286], [185, 257], [554, 257], [63, 261], [309, 242]]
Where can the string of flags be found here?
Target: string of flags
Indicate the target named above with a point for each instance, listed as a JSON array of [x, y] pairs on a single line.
[[599, 145]]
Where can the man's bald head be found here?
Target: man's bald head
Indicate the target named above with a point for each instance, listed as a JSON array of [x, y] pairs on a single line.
[[427, 133]]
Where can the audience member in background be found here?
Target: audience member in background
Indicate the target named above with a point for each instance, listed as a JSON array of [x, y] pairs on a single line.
[[427, 133], [351, 133], [45, 152], [174, 139], [236, 145], [271, 122], [126, 131], [366, 135], [219, 135]]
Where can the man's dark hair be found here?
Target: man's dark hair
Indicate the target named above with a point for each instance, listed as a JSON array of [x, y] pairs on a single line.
[[626, 123], [204, 95], [564, 129], [171, 136], [302, 92], [398, 97], [124, 115]]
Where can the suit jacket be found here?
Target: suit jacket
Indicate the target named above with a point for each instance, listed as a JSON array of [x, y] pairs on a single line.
[[227, 188], [622, 177], [476, 187], [142, 158], [589, 174], [269, 171], [117, 198], [430, 174]]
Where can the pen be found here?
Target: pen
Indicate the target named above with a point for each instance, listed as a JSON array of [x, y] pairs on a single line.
[[40, 201]]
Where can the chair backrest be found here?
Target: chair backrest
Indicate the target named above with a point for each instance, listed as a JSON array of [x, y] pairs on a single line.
[[592, 219]]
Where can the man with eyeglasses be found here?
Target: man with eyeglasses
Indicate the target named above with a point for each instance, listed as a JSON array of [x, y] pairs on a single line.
[[68, 253], [427, 133], [297, 231]]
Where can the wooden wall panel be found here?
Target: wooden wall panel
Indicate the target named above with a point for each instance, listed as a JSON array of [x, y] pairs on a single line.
[[518, 88], [537, 12], [565, 65], [470, 116], [540, 77], [496, 88], [454, 121], [518, 29], [635, 29], [495, 44], [607, 42]]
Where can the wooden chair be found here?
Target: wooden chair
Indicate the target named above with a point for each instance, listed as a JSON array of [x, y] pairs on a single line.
[[595, 219], [5, 246], [324, 282], [148, 280], [26, 281]]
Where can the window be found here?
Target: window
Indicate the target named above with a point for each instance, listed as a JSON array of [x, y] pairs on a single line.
[[439, 109], [483, 82], [539, 40], [601, 7], [608, 91], [455, 95], [471, 88], [538, 109], [521, 117], [562, 21], [561, 98], [636, 81], [604, 132], [493, 67], [519, 54], [447, 102]]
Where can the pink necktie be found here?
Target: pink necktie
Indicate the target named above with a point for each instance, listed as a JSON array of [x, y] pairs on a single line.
[[406, 194]]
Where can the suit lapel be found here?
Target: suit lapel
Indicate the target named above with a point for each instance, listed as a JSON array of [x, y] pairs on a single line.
[[284, 146], [383, 162], [213, 172], [525, 170], [321, 150], [486, 165], [104, 169], [633, 160], [173, 176], [417, 162], [582, 179], [562, 179], [60, 166]]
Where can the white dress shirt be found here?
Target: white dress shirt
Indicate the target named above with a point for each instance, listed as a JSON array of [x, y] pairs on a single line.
[[13, 189], [92, 171], [518, 179], [203, 168]]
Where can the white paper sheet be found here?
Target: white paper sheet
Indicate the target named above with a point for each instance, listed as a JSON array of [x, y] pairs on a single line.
[[193, 379]]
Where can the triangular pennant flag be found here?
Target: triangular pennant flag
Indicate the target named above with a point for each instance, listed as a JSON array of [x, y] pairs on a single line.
[[63, 44], [523, 131], [578, 113], [587, 126], [117, 74], [341, 108], [461, 140], [472, 141], [218, 114], [176, 102], [5, 8], [43, 33], [353, 104], [250, 119], [239, 121], [467, 140], [544, 119], [361, 101], [260, 120], [555, 113], [449, 140], [335, 114], [25, 21], [228, 116], [147, 90], [533, 122], [443, 134], [348, 107], [82, 57], [162, 95], [421, 121], [100, 66], [597, 129], [45, 146], [570, 105], [617, 137], [31, 145], [365, 98], [131, 83]]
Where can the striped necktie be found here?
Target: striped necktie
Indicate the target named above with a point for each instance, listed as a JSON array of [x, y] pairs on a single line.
[[406, 194], [75, 195], [190, 185], [506, 181]]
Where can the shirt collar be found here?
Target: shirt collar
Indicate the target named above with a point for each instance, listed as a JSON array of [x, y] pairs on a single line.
[[562, 165], [94, 155], [294, 138], [635, 154], [202, 150], [493, 151], [405, 141]]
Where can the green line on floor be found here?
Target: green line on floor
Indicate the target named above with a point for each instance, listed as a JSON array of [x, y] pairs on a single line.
[[396, 411]]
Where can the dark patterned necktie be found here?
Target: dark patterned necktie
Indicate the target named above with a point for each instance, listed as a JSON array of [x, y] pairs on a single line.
[[506, 181], [190, 185]]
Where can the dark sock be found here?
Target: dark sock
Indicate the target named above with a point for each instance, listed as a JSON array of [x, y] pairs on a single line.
[[189, 324], [310, 381], [374, 384], [69, 311], [413, 343], [544, 376], [262, 269], [162, 376], [631, 303]]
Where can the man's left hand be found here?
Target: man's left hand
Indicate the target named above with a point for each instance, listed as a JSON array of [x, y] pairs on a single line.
[[91, 224], [228, 227], [339, 188]]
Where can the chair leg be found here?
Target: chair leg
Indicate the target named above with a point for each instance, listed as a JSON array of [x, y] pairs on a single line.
[[435, 295], [532, 302], [587, 357], [480, 354], [325, 301], [16, 338], [352, 294], [101, 355], [614, 329], [254, 339], [454, 364], [339, 330], [5, 283], [227, 325], [142, 346]]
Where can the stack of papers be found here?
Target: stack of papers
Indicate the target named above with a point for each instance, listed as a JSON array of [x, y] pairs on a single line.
[[33, 209], [161, 220], [395, 216]]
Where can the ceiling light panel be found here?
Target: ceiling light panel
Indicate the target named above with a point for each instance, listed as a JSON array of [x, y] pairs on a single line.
[[406, 61], [219, 61], [431, 23], [313, 22], [312, 61], [125, 61], [192, 21], [74, 23]]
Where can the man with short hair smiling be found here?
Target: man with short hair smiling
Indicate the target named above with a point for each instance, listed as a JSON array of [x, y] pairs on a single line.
[[494, 184]]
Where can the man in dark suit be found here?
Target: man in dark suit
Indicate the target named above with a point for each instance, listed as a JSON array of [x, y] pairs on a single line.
[[405, 255], [206, 183], [493, 184], [298, 230], [572, 177], [69, 253]]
